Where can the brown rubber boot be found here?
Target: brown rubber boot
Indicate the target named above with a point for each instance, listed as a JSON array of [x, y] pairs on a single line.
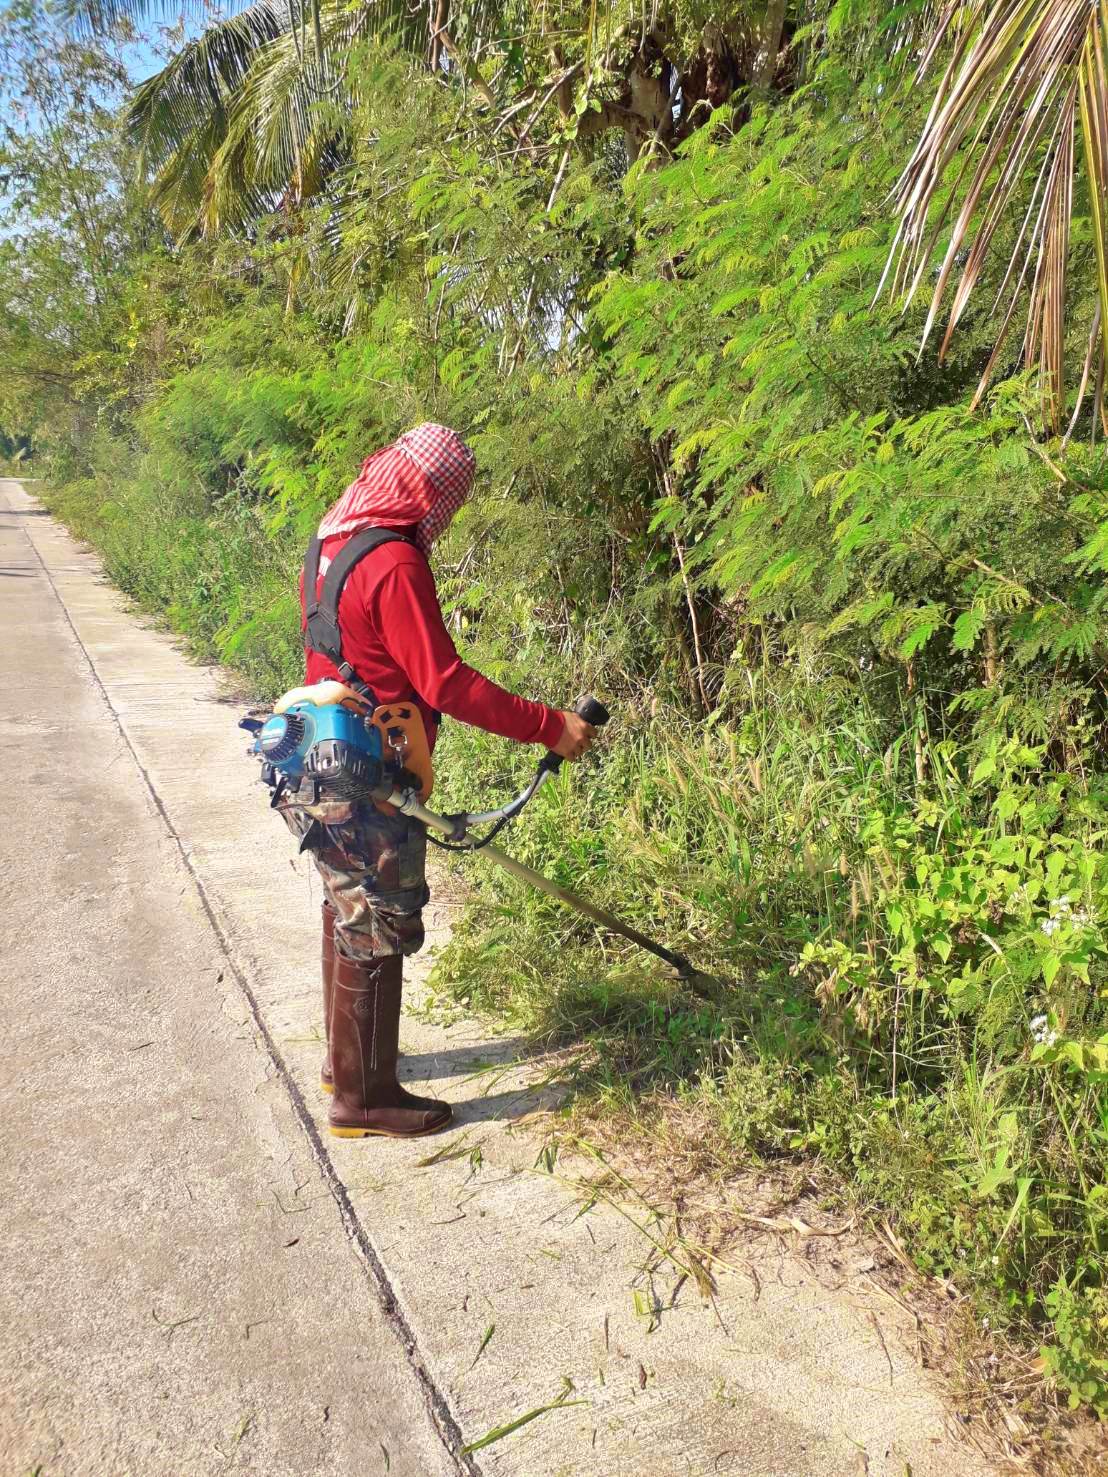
[[327, 965], [365, 1042]]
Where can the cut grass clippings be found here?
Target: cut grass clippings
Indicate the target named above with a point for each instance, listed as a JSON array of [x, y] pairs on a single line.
[[483, 1345], [499, 1432]]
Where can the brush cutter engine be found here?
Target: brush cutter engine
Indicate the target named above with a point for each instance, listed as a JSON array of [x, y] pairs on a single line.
[[332, 745], [337, 744]]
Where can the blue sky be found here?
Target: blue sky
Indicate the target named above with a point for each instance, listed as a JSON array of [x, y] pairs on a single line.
[[142, 60]]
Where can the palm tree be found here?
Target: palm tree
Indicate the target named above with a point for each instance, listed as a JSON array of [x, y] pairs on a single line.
[[1021, 102], [249, 115], [236, 123]]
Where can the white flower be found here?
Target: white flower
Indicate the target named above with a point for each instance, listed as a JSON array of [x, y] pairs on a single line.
[[1041, 1033]]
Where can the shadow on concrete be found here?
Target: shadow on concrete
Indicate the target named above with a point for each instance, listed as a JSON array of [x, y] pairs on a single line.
[[503, 1107], [18, 574], [498, 1093], [467, 1061]]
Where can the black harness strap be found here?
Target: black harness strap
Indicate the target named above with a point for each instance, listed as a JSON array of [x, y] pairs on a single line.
[[322, 633]]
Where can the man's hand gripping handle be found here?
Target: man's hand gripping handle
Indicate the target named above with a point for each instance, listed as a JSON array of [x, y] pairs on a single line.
[[580, 729]]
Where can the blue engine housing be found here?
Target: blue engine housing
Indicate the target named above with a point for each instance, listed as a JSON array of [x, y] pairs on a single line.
[[330, 744]]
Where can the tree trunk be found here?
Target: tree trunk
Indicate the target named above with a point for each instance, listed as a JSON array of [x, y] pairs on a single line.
[[769, 45], [438, 26]]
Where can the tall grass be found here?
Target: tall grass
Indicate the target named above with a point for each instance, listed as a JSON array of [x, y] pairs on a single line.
[[784, 851]]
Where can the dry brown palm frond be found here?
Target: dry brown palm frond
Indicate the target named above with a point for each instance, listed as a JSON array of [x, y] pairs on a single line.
[[1023, 80]]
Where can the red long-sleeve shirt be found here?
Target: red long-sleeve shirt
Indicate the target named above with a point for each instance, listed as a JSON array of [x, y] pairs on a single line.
[[394, 637]]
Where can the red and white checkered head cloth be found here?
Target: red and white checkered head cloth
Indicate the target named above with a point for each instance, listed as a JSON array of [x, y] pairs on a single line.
[[423, 478]]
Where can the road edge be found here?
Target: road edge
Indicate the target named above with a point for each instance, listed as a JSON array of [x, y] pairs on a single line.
[[373, 1267]]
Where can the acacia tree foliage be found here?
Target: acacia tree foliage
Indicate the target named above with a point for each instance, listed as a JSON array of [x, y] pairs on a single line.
[[855, 629]]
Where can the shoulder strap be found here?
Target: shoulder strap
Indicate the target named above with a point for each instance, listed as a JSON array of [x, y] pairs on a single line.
[[322, 632]]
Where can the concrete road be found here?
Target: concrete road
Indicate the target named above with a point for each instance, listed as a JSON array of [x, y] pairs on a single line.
[[183, 1289]]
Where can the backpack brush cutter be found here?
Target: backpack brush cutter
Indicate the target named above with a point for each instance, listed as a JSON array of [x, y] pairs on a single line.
[[344, 752]]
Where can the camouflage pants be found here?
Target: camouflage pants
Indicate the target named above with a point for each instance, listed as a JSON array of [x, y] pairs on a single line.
[[373, 868]]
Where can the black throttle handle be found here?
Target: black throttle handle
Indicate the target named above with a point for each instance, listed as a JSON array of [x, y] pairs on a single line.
[[593, 711]]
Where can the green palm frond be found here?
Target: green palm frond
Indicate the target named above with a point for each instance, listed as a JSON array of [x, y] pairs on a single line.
[[194, 92], [283, 123], [101, 16], [245, 116], [1022, 80], [178, 188]]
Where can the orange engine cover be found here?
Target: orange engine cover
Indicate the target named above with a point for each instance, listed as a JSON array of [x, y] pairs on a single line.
[[404, 742]]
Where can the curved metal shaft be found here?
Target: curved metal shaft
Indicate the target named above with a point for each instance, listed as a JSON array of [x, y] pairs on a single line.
[[409, 805]]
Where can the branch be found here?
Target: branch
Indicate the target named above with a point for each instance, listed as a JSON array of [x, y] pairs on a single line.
[[467, 69]]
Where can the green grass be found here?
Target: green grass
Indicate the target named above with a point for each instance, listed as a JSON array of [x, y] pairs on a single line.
[[892, 962]]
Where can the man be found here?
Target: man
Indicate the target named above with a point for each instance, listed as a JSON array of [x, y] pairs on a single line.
[[394, 642]]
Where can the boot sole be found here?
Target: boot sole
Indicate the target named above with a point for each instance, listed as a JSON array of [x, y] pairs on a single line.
[[384, 1133]]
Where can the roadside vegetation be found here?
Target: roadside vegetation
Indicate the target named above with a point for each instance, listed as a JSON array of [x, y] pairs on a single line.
[[847, 602]]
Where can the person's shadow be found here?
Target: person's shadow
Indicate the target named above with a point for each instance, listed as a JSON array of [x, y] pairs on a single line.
[[506, 1080]]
